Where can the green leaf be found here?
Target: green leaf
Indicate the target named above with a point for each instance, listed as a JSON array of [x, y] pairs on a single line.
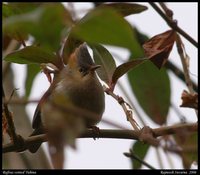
[[20, 25], [152, 90], [32, 71], [103, 57], [52, 22], [125, 9], [8, 10], [188, 142], [106, 26], [30, 55], [140, 150], [124, 68], [45, 24], [24, 7], [69, 47]]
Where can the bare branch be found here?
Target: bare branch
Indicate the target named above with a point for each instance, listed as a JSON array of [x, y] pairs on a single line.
[[124, 105], [106, 133], [8, 115], [133, 156], [173, 24]]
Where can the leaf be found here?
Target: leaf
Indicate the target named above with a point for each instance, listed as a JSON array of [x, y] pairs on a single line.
[[52, 22], [24, 7], [152, 90], [124, 68], [70, 45], [21, 23], [32, 71], [30, 55], [188, 143], [158, 48], [105, 26], [45, 24], [8, 10], [189, 100], [125, 9], [103, 57], [140, 150]]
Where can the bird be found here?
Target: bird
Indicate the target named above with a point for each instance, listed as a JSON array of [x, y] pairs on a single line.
[[75, 88]]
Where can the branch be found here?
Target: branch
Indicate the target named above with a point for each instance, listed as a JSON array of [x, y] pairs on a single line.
[[9, 119], [106, 133], [179, 43], [188, 81], [169, 65], [173, 24], [134, 157], [124, 105]]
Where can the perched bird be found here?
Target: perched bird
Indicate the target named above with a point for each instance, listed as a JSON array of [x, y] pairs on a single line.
[[75, 88]]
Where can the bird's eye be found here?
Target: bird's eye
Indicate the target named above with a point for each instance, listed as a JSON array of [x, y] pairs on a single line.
[[81, 70]]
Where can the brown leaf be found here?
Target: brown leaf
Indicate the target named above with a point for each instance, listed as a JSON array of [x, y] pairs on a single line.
[[189, 100], [158, 48]]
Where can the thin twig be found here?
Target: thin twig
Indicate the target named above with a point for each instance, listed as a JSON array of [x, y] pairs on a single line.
[[131, 103], [106, 133], [168, 12], [11, 126], [169, 65], [179, 45], [134, 157], [12, 45], [169, 159], [159, 158], [124, 105], [179, 114], [173, 24]]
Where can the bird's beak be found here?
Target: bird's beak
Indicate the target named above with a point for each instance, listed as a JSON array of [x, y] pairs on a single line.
[[94, 67]]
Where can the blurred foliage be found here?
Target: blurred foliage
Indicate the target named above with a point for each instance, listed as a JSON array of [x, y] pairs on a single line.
[[52, 34]]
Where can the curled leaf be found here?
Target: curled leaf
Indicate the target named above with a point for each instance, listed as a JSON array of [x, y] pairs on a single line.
[[124, 68], [125, 9], [158, 48], [189, 100], [103, 57]]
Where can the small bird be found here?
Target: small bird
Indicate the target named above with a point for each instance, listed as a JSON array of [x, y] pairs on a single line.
[[76, 87]]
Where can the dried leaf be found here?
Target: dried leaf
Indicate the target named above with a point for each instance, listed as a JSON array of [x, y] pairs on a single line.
[[189, 100], [158, 48]]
